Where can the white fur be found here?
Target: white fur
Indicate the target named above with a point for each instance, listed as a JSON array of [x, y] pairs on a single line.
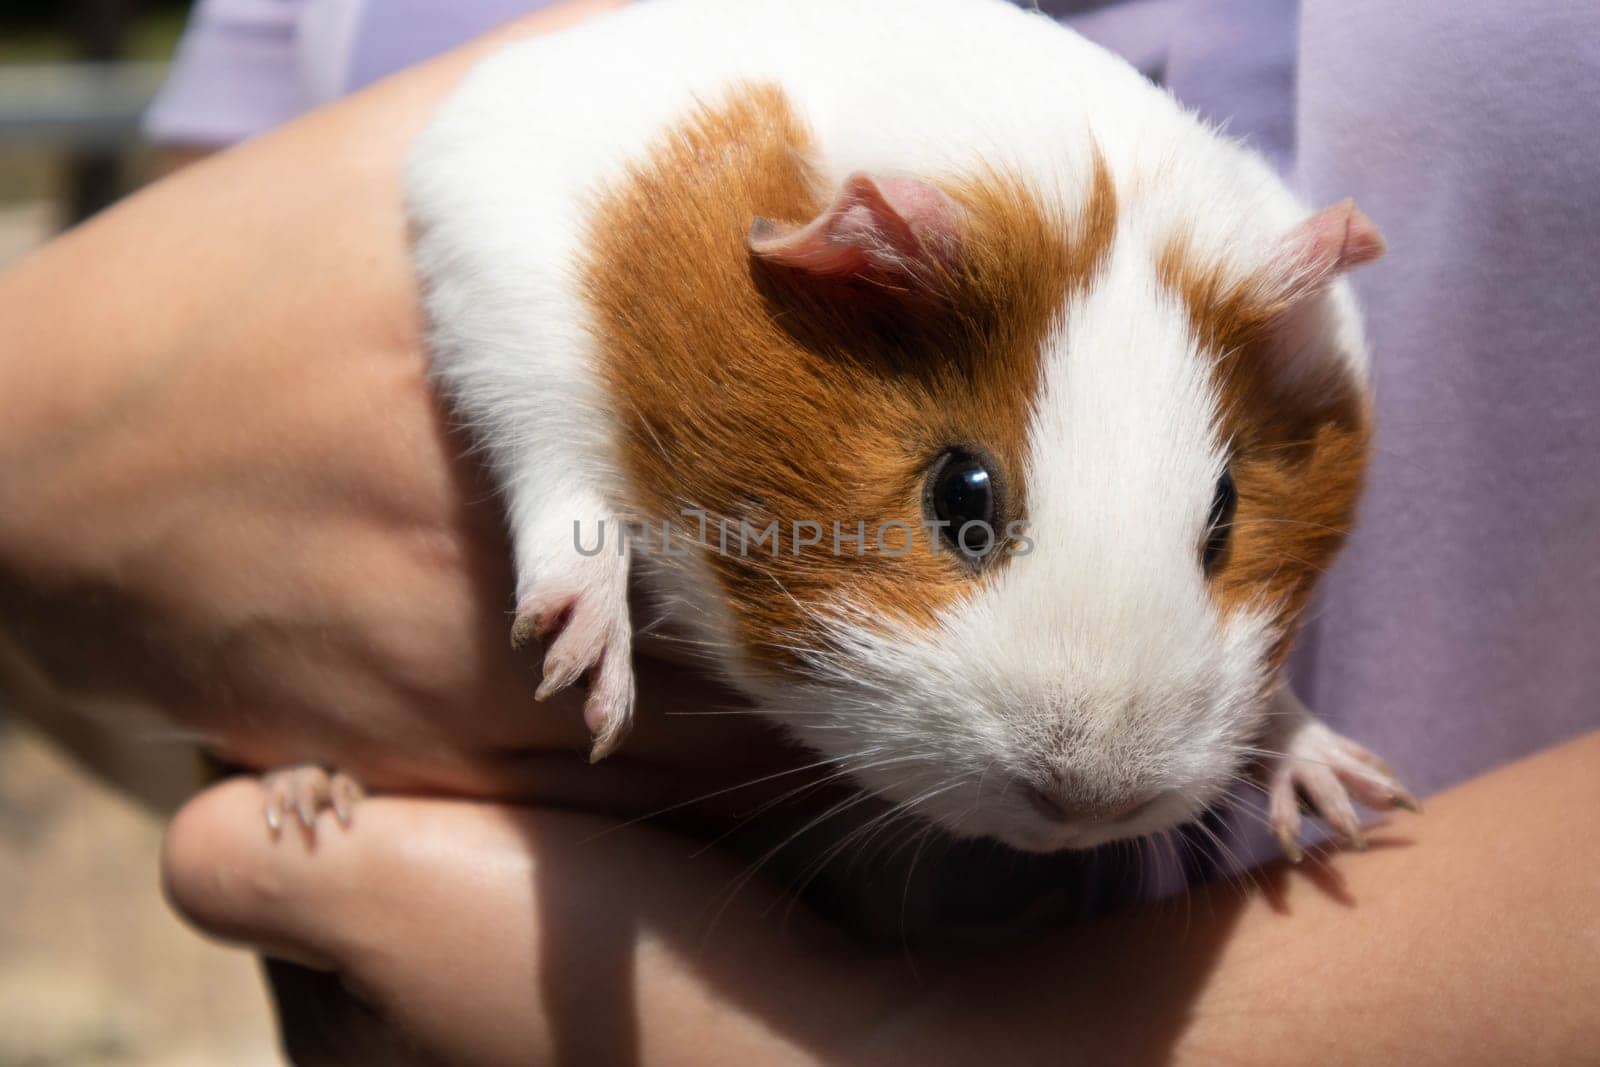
[[1100, 654]]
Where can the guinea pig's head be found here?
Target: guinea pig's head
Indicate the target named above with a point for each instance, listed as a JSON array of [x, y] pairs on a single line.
[[1127, 462], [1015, 506]]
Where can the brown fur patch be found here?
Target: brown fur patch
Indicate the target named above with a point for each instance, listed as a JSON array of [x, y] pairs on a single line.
[[758, 395], [1300, 443]]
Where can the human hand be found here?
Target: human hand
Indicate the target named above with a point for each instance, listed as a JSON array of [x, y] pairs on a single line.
[[479, 933], [464, 932]]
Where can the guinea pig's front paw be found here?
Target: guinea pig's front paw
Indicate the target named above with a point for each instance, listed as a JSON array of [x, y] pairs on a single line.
[[1314, 764], [305, 790], [584, 623]]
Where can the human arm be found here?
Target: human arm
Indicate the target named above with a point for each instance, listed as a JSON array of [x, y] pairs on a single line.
[[501, 935], [232, 508]]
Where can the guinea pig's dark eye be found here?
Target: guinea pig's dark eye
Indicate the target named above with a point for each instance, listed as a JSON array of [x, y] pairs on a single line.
[[961, 497], [1219, 527]]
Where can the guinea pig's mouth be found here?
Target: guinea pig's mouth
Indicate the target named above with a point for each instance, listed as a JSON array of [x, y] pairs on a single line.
[[1050, 831]]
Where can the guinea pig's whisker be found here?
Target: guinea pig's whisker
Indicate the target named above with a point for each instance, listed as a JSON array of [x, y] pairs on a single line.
[[1153, 857], [861, 837], [814, 868], [845, 771], [1237, 523], [1285, 446], [905, 891], [982, 777], [637, 819], [758, 712], [1237, 872], [681, 640], [1304, 563], [766, 857], [795, 793], [1167, 850], [1268, 753]]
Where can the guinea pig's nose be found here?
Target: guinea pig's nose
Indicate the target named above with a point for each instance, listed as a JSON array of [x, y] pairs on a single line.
[[1053, 805], [1123, 811], [1048, 802]]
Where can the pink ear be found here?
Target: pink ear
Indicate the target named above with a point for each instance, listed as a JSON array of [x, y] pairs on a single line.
[[1326, 245], [892, 228], [1308, 259]]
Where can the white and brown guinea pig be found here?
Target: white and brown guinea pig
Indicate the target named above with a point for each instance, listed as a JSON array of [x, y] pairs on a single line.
[[857, 277]]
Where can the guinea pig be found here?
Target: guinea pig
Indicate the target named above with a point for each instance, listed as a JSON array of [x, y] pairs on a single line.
[[985, 416]]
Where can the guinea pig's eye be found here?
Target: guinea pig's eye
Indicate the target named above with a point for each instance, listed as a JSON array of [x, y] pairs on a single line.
[[1220, 525], [961, 497]]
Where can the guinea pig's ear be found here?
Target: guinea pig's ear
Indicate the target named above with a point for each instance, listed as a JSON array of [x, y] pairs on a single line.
[[1320, 249], [893, 230], [1305, 263]]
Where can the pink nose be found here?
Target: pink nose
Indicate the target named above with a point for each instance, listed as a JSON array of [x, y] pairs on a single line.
[[1053, 805]]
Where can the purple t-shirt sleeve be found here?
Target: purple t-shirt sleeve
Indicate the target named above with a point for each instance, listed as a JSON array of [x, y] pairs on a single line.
[[245, 66], [393, 34], [237, 72]]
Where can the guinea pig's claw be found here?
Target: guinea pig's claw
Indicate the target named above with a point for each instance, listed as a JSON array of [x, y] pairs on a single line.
[[537, 620], [1289, 839], [561, 669], [587, 634], [1328, 772], [608, 712], [606, 742], [522, 628], [346, 793], [1401, 798], [305, 791]]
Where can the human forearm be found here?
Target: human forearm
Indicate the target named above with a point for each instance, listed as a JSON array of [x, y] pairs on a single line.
[[1472, 936], [166, 318], [196, 385], [516, 935], [509, 935], [186, 307], [228, 499]]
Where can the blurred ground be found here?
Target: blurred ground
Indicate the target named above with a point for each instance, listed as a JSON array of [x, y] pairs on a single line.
[[94, 970], [22, 225]]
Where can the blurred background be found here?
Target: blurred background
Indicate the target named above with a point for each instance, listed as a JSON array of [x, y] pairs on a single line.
[[75, 76], [93, 967]]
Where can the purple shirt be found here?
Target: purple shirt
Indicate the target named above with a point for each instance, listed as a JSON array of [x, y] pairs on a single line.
[[245, 66], [1459, 629]]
